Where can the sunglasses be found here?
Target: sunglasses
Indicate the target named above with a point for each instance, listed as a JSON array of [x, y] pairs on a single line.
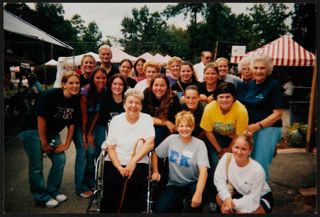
[[208, 57]]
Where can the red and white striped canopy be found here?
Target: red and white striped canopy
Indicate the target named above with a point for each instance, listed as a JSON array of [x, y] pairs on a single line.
[[284, 52]]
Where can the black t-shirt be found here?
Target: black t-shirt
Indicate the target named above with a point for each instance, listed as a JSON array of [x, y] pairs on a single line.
[[203, 89], [180, 86], [114, 70], [83, 80], [109, 109], [131, 82], [58, 111]]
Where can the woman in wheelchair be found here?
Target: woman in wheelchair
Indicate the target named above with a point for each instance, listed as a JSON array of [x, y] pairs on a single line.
[[126, 166], [188, 165]]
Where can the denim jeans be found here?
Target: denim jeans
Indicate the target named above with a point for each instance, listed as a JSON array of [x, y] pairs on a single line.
[[171, 199], [223, 141], [100, 134], [32, 145], [84, 166], [265, 141]]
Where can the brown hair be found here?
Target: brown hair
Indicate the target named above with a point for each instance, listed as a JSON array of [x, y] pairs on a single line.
[[247, 137], [67, 75]]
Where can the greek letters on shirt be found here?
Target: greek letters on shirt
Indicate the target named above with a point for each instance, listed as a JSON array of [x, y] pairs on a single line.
[[181, 159], [64, 113]]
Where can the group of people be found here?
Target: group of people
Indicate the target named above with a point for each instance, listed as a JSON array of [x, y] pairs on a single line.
[[198, 129]]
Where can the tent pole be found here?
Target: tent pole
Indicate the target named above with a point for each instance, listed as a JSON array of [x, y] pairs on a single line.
[[311, 116], [44, 67]]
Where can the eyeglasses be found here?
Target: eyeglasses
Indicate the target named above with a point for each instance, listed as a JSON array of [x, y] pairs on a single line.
[[208, 57]]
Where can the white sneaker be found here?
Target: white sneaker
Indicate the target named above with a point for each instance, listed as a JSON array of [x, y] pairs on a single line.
[[52, 203], [61, 198]]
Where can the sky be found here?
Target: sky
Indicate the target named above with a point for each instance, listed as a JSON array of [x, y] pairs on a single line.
[[108, 16]]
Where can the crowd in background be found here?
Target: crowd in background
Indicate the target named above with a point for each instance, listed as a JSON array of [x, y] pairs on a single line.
[[199, 128]]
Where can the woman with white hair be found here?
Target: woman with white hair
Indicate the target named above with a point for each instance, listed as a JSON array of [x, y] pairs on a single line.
[[264, 102], [127, 162], [244, 69]]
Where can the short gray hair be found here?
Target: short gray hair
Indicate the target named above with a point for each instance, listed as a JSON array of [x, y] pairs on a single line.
[[105, 46], [264, 58], [133, 92], [244, 61]]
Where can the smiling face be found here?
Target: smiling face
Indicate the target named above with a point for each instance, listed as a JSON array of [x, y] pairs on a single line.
[[71, 87], [186, 73], [159, 87], [105, 55], [87, 65], [225, 101], [117, 86], [241, 150], [223, 68], [174, 69], [139, 68], [100, 80], [259, 71], [211, 76], [184, 129], [150, 72], [125, 69], [192, 99], [132, 106]]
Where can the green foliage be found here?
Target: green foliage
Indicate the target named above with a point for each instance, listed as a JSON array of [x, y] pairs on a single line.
[[186, 8], [303, 25], [296, 135], [268, 23], [143, 32]]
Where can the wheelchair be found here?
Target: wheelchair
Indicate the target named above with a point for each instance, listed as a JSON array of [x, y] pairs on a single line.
[[95, 200]]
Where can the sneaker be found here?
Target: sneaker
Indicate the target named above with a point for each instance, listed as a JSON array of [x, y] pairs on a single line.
[[52, 203], [86, 194], [61, 198]]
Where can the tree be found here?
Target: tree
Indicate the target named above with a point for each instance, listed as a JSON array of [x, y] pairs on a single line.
[[304, 25], [21, 10], [92, 37], [143, 32], [186, 8], [78, 23], [268, 24]]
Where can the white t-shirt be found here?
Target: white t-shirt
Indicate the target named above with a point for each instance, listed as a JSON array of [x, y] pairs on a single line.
[[124, 135], [199, 70], [288, 87], [141, 85], [248, 181]]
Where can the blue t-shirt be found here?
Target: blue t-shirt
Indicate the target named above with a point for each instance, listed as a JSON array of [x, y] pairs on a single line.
[[261, 99]]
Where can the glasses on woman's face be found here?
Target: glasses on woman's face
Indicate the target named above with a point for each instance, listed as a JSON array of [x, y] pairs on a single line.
[[208, 58]]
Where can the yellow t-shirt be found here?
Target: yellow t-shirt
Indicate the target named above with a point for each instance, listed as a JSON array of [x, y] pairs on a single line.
[[235, 121]]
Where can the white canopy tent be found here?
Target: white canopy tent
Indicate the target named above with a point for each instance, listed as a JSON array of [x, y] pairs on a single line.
[[51, 62], [147, 56], [17, 25], [118, 55], [69, 63]]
